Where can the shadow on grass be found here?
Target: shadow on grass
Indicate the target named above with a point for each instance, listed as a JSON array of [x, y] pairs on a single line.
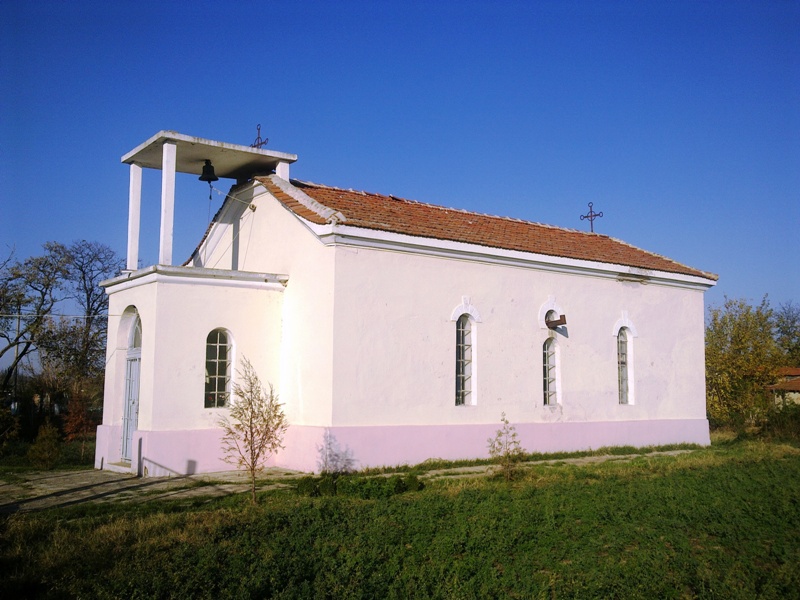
[[93, 486]]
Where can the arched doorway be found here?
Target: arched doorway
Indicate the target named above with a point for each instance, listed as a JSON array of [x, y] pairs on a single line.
[[133, 361]]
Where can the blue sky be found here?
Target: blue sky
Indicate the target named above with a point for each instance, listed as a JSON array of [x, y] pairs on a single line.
[[679, 120]]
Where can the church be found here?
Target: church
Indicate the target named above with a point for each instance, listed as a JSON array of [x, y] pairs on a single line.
[[399, 330]]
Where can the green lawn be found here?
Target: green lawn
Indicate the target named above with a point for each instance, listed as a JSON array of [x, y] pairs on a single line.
[[722, 522]]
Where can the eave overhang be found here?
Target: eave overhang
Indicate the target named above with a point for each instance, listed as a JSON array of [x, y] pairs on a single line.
[[195, 276], [230, 160], [341, 234]]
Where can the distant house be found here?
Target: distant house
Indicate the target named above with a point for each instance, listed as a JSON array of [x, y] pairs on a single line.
[[402, 330], [788, 388]]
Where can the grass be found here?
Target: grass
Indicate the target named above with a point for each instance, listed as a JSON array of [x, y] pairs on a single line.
[[435, 464], [722, 522]]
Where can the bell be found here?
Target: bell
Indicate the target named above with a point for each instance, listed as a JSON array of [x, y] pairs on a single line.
[[208, 173]]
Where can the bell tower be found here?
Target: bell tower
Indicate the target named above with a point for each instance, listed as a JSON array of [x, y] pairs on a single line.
[[173, 152]]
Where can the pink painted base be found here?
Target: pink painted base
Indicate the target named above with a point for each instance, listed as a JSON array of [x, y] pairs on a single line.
[[158, 453]]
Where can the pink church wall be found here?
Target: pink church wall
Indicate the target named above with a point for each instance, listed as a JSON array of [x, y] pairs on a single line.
[[173, 453]]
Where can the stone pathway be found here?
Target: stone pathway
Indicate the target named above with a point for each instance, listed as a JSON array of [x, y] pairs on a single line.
[[39, 490], [46, 489], [481, 470]]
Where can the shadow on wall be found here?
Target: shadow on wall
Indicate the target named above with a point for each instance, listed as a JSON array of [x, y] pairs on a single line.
[[332, 458], [146, 467]]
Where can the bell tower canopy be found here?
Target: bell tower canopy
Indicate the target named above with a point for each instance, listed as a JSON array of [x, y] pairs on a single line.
[[172, 152], [230, 160]]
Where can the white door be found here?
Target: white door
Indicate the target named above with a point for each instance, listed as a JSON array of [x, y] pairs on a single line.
[[131, 417]]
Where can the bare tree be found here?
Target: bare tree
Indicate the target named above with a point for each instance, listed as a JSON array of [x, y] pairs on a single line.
[[28, 292], [75, 345], [89, 264], [255, 427]]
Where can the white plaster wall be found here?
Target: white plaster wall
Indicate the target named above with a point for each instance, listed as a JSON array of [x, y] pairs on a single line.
[[177, 315], [394, 343], [273, 240], [186, 314], [143, 299]]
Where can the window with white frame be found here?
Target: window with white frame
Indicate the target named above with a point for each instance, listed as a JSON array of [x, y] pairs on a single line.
[[463, 360], [622, 365], [550, 366], [218, 368]]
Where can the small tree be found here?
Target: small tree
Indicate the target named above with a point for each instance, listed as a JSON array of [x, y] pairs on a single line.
[[44, 452], [79, 424], [505, 448], [254, 429]]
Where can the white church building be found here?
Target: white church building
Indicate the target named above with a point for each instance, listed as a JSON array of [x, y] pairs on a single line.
[[402, 330]]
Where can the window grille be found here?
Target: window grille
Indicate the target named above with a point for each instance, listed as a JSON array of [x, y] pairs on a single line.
[[549, 371], [463, 360], [218, 369], [622, 365]]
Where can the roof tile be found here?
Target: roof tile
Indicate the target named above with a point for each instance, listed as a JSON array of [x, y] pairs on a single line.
[[409, 217]]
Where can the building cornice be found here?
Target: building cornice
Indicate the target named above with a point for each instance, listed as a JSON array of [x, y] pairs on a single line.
[[195, 276], [341, 234]]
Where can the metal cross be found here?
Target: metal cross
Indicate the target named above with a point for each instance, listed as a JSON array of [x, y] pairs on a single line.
[[591, 215], [259, 142]]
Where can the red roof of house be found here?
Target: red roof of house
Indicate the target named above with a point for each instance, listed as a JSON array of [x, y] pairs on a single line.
[[409, 217], [789, 372], [790, 385]]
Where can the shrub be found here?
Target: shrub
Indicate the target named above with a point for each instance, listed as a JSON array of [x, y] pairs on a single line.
[[307, 486], [784, 422], [44, 452], [367, 488], [9, 427], [414, 483], [327, 485]]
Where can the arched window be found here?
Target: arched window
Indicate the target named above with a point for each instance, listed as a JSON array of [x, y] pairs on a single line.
[[622, 365], [136, 335], [218, 368], [463, 360], [550, 366]]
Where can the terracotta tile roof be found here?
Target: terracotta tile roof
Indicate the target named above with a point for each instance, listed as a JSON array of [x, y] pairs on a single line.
[[791, 385], [789, 372], [409, 217]]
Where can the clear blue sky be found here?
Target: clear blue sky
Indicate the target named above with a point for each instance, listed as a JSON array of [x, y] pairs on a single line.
[[679, 120]]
